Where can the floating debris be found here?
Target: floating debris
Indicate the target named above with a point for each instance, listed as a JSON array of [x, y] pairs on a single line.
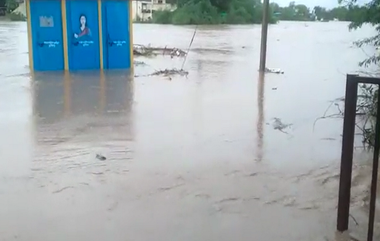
[[100, 157], [278, 125], [137, 63], [216, 50], [167, 73], [328, 139], [62, 189], [175, 52], [142, 50], [274, 71], [171, 72]]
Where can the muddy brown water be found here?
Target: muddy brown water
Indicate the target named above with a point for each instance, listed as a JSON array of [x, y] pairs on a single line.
[[194, 158]]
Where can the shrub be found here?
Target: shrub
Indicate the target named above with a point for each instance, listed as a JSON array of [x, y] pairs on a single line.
[[16, 16]]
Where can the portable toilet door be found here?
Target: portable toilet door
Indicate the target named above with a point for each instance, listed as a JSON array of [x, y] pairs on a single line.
[[83, 34], [45, 35], [116, 34]]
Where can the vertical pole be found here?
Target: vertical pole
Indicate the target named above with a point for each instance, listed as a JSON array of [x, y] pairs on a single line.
[[375, 168], [67, 93], [100, 26], [130, 12], [30, 37], [102, 93], [64, 35], [260, 118], [137, 11], [151, 7], [347, 153], [264, 36]]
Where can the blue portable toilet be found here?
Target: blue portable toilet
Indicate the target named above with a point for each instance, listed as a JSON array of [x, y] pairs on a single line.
[[79, 34], [117, 29]]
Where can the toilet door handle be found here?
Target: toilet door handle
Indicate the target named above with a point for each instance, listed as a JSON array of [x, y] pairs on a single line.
[[109, 41], [39, 42], [75, 42]]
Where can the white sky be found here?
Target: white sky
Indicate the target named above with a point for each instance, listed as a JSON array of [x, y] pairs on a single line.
[[312, 3]]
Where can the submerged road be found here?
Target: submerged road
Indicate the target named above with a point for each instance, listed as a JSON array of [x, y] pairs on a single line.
[[196, 158]]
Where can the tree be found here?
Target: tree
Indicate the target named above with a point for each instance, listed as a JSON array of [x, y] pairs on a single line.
[[2, 8], [288, 13], [321, 13], [340, 13], [250, 11], [221, 5], [11, 5], [367, 14], [213, 12], [173, 2], [359, 15], [302, 10], [292, 12], [275, 7]]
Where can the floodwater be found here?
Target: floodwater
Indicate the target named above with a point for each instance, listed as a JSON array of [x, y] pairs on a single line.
[[195, 158]]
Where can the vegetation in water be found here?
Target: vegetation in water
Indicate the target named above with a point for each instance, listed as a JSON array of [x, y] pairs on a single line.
[[369, 93], [16, 16], [249, 11]]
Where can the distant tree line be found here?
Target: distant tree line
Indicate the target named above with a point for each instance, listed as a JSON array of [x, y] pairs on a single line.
[[249, 12], [300, 12], [212, 12]]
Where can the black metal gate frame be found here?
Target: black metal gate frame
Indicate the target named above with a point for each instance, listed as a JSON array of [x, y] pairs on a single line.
[[351, 97]]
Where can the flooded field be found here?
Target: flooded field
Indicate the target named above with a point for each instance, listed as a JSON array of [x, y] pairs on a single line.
[[196, 158]]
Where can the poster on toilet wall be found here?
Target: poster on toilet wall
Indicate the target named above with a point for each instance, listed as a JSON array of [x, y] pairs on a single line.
[[81, 30], [84, 30]]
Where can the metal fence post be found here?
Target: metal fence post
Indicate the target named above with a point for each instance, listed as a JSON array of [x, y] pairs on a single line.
[[347, 152], [375, 168]]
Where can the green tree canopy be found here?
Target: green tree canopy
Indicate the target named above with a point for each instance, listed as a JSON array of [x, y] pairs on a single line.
[[213, 12], [367, 14], [250, 11]]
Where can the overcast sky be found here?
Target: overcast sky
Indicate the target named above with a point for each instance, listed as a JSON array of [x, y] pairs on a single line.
[[312, 3]]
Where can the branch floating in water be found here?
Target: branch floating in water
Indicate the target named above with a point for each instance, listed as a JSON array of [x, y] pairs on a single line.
[[142, 50], [167, 73]]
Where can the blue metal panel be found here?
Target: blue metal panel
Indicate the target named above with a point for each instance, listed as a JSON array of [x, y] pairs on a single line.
[[47, 44], [116, 49], [83, 34]]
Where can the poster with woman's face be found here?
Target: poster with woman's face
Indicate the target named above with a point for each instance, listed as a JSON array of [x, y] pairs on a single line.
[[83, 32]]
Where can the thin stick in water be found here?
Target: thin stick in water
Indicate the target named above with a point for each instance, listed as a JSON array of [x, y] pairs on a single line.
[[191, 42]]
